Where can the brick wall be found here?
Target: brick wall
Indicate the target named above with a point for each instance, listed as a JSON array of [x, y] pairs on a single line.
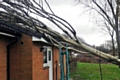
[[64, 58], [39, 73], [26, 60], [4, 41], [21, 59], [56, 66]]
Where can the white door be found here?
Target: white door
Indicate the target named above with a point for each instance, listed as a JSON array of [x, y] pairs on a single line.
[[49, 51], [48, 61]]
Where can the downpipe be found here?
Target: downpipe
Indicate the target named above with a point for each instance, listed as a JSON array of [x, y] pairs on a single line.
[[8, 56]]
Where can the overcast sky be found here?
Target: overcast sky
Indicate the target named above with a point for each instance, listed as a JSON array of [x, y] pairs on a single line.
[[83, 24]]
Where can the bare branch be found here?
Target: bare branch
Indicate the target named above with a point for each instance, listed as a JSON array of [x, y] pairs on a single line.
[[18, 15]]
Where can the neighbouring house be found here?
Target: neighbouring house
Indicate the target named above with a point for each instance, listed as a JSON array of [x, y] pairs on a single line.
[[24, 58]]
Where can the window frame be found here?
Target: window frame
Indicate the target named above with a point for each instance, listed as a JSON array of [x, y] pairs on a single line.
[[47, 48]]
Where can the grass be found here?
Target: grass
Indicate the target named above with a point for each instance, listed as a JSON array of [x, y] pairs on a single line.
[[90, 71]]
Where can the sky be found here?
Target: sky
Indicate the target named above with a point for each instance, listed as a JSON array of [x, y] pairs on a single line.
[[83, 24]]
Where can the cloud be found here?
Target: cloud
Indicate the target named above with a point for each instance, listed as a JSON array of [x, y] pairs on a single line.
[[59, 2], [84, 25]]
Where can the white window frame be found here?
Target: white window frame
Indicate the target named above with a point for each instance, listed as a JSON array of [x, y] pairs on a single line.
[[46, 64]]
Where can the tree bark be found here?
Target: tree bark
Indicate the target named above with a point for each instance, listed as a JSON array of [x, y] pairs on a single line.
[[117, 30], [113, 46]]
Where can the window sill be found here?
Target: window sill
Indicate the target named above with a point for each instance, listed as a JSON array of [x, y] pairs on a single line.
[[46, 67]]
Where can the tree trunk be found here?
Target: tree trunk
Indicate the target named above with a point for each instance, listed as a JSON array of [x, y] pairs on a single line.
[[113, 46], [117, 32], [118, 44]]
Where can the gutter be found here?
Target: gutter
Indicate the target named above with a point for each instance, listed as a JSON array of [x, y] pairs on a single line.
[[5, 34]]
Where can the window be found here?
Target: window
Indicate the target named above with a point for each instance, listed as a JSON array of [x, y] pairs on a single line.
[[49, 55], [45, 55]]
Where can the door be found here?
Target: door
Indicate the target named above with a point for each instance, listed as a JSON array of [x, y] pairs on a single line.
[[50, 64], [48, 61]]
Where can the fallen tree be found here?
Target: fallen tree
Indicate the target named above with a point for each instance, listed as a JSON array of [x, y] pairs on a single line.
[[17, 15]]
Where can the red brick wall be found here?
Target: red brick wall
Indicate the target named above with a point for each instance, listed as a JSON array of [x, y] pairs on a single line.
[[26, 60], [38, 72], [56, 61], [4, 41], [64, 58], [21, 59]]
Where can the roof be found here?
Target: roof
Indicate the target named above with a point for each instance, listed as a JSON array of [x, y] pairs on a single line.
[[8, 31]]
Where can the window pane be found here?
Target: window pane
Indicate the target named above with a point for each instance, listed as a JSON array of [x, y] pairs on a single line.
[[49, 55], [45, 55]]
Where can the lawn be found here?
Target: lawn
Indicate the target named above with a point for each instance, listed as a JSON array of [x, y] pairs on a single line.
[[90, 71]]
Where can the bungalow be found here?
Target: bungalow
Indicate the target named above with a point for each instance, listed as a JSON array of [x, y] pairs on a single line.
[[23, 57]]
